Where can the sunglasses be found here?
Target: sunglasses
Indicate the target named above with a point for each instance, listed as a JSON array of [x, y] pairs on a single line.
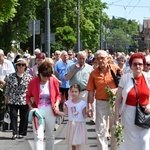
[[147, 64], [70, 54], [21, 65], [137, 64]]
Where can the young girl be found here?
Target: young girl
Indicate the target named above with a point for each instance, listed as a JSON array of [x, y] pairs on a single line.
[[76, 110]]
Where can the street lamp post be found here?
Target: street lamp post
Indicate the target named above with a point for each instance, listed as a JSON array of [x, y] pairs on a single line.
[[100, 31], [47, 29], [78, 25]]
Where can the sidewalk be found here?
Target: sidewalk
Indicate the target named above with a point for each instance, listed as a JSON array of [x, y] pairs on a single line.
[[6, 143]]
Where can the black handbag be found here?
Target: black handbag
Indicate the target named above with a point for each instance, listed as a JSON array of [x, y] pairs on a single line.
[[141, 118]]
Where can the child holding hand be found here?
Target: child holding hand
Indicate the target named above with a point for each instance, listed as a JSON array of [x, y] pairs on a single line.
[[76, 110]]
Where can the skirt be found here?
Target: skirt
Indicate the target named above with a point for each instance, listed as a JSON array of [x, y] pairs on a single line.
[[135, 138], [76, 133]]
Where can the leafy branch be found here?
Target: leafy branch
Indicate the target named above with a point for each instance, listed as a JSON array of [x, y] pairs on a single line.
[[111, 99], [118, 133]]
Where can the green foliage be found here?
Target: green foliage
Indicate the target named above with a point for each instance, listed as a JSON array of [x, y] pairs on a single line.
[[118, 134], [17, 28], [57, 46], [15, 17], [7, 10], [111, 100], [66, 35], [121, 33]]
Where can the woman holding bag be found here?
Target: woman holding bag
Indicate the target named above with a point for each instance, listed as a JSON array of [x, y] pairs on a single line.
[[44, 91], [135, 137], [15, 97]]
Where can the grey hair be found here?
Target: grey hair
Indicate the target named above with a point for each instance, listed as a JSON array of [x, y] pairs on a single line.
[[101, 52], [63, 52], [121, 57], [57, 51], [83, 53]]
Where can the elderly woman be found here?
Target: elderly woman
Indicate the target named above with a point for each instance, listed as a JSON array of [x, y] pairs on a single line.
[[44, 89], [15, 97], [136, 138]]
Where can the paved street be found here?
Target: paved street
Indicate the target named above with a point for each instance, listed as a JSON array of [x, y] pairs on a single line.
[[27, 142]]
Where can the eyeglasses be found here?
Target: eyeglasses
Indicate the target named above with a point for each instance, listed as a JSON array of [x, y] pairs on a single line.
[[147, 64], [137, 64], [21, 65], [70, 54], [101, 58], [89, 52]]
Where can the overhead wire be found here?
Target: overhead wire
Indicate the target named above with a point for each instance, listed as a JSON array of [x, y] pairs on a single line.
[[133, 8], [128, 6]]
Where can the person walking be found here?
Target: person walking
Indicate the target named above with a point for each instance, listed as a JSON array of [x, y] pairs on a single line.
[[79, 73], [61, 68], [125, 104], [40, 58], [6, 68], [43, 94], [99, 80], [76, 110], [15, 97]]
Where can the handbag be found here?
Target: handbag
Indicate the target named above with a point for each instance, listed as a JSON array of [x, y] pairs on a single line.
[[7, 115], [141, 118], [7, 118]]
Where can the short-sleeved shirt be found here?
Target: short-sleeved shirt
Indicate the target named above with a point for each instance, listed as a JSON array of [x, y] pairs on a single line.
[[75, 110], [6, 69], [98, 82], [61, 68], [81, 76]]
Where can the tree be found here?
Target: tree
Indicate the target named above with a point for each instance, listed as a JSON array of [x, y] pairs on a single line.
[[121, 34], [66, 35], [118, 39], [7, 10], [17, 28]]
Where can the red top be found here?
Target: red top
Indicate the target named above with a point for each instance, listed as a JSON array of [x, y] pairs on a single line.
[[143, 92], [34, 90]]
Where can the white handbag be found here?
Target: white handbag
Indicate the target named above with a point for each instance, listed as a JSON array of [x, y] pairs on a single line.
[[7, 118]]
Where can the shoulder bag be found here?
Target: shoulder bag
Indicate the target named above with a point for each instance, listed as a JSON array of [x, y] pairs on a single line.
[[141, 118], [116, 77]]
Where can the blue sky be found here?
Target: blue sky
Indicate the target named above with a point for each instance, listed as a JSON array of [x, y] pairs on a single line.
[[129, 9]]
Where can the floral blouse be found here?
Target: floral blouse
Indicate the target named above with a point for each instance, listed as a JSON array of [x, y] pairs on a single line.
[[16, 88]]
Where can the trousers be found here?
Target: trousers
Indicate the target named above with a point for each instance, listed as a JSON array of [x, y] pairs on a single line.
[[102, 113], [45, 130]]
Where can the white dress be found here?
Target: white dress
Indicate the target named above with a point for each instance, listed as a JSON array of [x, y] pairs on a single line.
[[76, 129]]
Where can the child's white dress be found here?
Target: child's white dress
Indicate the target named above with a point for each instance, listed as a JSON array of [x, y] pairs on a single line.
[[76, 129]]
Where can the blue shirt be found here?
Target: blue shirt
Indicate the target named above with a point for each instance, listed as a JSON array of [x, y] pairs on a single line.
[[61, 69]]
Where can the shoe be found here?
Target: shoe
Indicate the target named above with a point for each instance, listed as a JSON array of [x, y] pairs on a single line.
[[92, 122], [20, 136], [14, 137]]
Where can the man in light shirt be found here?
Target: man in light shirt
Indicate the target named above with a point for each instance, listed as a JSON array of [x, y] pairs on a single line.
[[6, 68]]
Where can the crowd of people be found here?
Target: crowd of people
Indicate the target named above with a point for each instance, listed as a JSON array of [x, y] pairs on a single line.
[[42, 89]]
